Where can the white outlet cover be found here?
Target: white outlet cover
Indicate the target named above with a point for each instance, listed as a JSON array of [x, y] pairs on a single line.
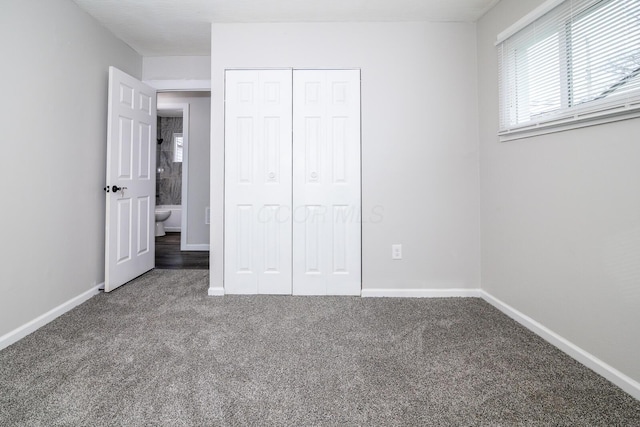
[[396, 251]]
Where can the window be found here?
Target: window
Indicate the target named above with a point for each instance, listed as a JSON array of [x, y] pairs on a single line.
[[177, 147], [576, 63]]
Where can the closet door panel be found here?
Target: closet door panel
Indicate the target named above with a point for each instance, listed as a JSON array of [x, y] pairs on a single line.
[[326, 182], [258, 155]]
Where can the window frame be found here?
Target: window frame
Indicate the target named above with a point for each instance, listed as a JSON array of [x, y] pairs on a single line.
[[570, 115]]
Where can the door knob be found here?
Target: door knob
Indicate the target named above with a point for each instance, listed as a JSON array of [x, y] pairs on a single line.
[[116, 189]]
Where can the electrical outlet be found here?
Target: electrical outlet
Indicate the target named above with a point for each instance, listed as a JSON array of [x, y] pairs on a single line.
[[396, 251]]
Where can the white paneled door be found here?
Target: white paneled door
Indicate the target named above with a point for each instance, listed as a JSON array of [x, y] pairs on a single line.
[[258, 182], [292, 203], [326, 182], [130, 191]]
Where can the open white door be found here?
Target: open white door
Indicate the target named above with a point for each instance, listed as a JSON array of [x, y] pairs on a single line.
[[131, 179]]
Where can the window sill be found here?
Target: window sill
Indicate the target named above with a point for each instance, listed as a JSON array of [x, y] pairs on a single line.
[[575, 121]]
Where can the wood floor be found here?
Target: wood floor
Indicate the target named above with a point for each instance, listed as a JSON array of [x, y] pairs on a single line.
[[169, 255]]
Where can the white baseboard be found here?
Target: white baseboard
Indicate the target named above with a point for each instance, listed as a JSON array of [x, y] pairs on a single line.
[[195, 247], [590, 361], [399, 293], [29, 327], [172, 229], [421, 293], [216, 292]]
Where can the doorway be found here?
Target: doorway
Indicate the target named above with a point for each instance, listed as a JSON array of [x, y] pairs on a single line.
[[182, 178]]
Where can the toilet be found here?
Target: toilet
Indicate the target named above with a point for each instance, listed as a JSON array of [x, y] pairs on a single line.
[[161, 216]]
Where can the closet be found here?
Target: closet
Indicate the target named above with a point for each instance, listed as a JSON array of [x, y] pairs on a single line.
[[292, 182]]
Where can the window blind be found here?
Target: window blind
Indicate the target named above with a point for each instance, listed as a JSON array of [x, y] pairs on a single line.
[[578, 62]]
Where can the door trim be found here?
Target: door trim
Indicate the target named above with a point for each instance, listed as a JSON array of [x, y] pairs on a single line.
[[180, 85]]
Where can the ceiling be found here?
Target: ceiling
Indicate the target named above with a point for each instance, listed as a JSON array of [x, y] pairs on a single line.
[[172, 27]]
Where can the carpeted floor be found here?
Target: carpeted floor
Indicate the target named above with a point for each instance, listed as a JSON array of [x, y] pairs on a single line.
[[159, 351]]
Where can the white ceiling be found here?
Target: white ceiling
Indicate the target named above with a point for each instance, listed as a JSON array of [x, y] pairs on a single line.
[[183, 27]]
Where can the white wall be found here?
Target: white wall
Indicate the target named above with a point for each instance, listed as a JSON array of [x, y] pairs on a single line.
[[199, 153], [53, 112], [177, 72], [561, 219], [419, 138]]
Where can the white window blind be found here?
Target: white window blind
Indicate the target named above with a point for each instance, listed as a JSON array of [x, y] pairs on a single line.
[[577, 63]]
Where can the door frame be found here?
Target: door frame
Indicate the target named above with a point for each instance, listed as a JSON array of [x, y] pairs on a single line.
[[185, 86]]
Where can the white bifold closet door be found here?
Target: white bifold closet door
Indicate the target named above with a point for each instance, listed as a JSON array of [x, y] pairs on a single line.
[[258, 182], [326, 182], [292, 204]]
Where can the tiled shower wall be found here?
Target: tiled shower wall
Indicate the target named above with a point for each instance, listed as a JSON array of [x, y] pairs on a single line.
[[169, 181]]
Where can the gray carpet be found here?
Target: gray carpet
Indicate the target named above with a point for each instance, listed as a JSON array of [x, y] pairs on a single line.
[[158, 351]]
